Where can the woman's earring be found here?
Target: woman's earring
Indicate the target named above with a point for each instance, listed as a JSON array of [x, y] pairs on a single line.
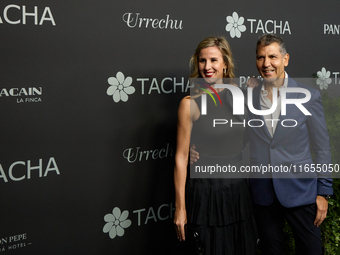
[[225, 72]]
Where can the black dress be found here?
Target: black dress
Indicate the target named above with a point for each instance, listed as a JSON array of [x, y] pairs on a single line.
[[220, 209]]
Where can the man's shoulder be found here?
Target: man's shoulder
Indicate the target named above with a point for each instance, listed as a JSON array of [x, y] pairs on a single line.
[[294, 83]]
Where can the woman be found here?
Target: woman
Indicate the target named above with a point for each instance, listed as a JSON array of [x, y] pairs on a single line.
[[219, 209]]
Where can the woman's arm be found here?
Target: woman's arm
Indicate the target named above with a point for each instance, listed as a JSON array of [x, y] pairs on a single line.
[[184, 126]]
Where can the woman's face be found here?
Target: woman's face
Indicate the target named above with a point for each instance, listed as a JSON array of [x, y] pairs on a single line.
[[211, 64]]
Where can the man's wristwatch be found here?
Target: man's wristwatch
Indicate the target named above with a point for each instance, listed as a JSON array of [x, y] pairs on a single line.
[[327, 197]]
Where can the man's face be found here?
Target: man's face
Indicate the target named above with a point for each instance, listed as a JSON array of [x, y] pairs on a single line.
[[270, 63]]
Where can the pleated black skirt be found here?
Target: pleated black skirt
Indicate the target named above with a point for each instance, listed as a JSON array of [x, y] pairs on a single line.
[[221, 211]]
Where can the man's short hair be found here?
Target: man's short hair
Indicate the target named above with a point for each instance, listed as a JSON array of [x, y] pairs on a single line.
[[267, 39]]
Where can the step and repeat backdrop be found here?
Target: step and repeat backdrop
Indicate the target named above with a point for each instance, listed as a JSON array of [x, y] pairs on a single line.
[[89, 92]]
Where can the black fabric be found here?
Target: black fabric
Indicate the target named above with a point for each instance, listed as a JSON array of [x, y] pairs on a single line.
[[220, 209], [301, 220], [222, 139], [191, 246]]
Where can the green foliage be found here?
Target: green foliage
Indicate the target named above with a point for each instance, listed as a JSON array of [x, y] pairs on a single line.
[[330, 228], [288, 240]]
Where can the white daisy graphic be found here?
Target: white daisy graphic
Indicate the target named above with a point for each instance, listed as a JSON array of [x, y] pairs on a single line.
[[116, 222], [235, 25], [323, 78], [120, 87]]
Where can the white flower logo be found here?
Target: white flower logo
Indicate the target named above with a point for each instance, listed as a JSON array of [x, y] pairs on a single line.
[[235, 25], [120, 87], [116, 222], [323, 78]]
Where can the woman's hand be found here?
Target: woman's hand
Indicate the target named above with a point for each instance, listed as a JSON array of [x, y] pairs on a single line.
[[180, 220]]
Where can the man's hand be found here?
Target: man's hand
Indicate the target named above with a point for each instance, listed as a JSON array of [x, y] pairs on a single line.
[[321, 213], [194, 155], [253, 82]]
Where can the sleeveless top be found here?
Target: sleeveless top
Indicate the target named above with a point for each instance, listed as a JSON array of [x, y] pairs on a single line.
[[226, 137], [218, 201]]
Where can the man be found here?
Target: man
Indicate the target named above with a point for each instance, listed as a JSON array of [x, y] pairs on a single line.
[[302, 201]]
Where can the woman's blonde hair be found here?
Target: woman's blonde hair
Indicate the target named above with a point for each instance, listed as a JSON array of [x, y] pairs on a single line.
[[224, 47]]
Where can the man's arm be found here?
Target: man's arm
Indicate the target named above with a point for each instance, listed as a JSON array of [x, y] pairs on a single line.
[[319, 140]]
